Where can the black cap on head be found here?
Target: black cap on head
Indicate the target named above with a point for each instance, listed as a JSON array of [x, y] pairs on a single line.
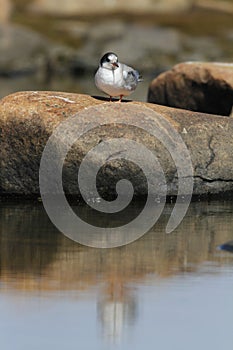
[[106, 58]]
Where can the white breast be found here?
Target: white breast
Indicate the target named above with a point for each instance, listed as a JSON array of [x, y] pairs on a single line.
[[112, 82]]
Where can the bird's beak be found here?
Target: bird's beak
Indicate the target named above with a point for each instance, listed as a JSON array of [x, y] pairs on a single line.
[[115, 64]]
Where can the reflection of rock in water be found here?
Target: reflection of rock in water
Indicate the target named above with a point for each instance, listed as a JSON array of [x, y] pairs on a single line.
[[28, 241], [116, 310], [36, 257]]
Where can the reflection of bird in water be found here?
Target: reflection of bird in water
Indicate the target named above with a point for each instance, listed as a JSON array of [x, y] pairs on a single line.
[[116, 310], [227, 246], [115, 78]]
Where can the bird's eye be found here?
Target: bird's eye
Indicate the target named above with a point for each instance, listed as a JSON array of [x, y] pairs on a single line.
[[108, 59]]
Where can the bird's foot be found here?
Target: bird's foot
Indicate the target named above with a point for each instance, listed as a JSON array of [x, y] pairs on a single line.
[[120, 100]]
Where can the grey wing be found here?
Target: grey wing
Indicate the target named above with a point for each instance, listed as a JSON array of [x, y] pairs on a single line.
[[131, 77]]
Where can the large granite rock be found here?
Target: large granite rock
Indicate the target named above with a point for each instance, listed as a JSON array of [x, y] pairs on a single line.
[[27, 119], [197, 86]]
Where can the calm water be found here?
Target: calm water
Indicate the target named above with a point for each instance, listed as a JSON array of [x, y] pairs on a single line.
[[64, 82], [161, 292]]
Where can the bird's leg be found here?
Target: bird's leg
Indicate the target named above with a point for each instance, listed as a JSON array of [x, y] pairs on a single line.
[[110, 98], [121, 96]]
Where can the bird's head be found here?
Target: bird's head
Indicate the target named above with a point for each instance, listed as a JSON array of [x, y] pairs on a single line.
[[109, 61]]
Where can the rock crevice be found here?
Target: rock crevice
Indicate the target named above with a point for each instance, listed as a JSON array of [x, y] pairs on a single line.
[[212, 154]]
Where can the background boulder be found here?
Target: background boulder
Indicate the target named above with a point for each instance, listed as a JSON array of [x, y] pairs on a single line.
[[197, 86]]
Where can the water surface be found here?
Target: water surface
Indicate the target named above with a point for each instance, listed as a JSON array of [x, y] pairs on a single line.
[[164, 291], [65, 82]]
